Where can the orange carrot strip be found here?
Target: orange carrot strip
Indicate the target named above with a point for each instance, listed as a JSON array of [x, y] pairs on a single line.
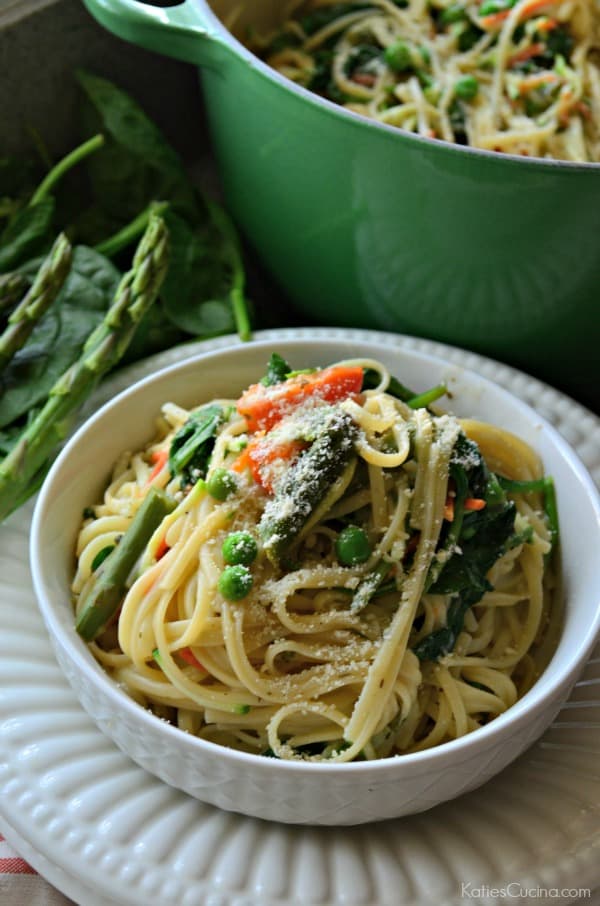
[[262, 454], [162, 549], [532, 6], [534, 81], [364, 78], [526, 54], [495, 20], [264, 406], [187, 655], [474, 503], [546, 24], [159, 457]]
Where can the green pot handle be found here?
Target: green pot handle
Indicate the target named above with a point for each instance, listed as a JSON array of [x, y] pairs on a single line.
[[177, 31]]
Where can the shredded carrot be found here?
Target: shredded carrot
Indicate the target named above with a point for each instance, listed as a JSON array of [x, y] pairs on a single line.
[[187, 655], [264, 406], [474, 503], [583, 108], [532, 6], [536, 81], [527, 53], [470, 503], [495, 20], [162, 549], [159, 457], [546, 24], [364, 78]]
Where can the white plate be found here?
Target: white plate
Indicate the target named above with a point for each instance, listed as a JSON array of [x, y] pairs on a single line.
[[104, 831]]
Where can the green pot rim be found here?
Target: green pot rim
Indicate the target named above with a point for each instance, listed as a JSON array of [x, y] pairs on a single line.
[[228, 40]]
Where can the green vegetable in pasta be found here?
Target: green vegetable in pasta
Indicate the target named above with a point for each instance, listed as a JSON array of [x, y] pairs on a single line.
[[108, 588], [466, 87], [456, 12], [221, 484], [235, 582], [101, 556], [307, 485], [489, 7], [192, 446], [399, 56], [239, 547], [352, 546], [369, 586], [400, 391], [544, 485], [277, 370], [486, 535]]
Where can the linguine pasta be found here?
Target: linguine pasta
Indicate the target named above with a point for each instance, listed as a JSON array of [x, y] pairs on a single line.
[[515, 76], [342, 573]]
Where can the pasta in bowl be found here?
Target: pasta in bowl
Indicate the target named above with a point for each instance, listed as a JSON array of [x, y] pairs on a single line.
[[320, 578]]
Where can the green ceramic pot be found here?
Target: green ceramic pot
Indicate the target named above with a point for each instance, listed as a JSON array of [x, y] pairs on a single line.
[[365, 225]]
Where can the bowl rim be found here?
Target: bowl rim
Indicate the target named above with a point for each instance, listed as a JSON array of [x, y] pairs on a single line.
[[508, 723], [228, 39]]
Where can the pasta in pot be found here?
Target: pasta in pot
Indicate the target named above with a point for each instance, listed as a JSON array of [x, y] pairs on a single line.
[[324, 569], [515, 76]]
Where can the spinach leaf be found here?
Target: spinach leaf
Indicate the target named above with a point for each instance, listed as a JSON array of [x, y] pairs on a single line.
[[277, 370], [137, 163], [442, 641], [192, 446], [486, 535], [197, 274], [203, 293], [482, 541], [57, 340]]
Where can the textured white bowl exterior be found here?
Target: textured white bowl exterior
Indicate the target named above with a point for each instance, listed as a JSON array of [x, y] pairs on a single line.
[[296, 792]]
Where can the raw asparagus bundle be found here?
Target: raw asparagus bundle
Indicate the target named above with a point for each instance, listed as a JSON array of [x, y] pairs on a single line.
[[45, 288], [20, 470]]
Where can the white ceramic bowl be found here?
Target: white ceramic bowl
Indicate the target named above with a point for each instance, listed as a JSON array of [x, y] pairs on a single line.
[[298, 792]]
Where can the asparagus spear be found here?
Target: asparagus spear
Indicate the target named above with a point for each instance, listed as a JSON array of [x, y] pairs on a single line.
[[44, 290], [104, 595], [12, 288], [307, 484], [102, 351]]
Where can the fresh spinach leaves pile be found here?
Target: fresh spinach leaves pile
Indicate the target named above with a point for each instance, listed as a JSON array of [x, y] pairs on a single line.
[[68, 232]]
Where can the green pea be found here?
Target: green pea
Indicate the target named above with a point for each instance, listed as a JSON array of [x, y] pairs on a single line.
[[352, 546], [453, 13], [466, 87], [239, 547], [221, 484], [235, 582], [398, 56], [490, 7]]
